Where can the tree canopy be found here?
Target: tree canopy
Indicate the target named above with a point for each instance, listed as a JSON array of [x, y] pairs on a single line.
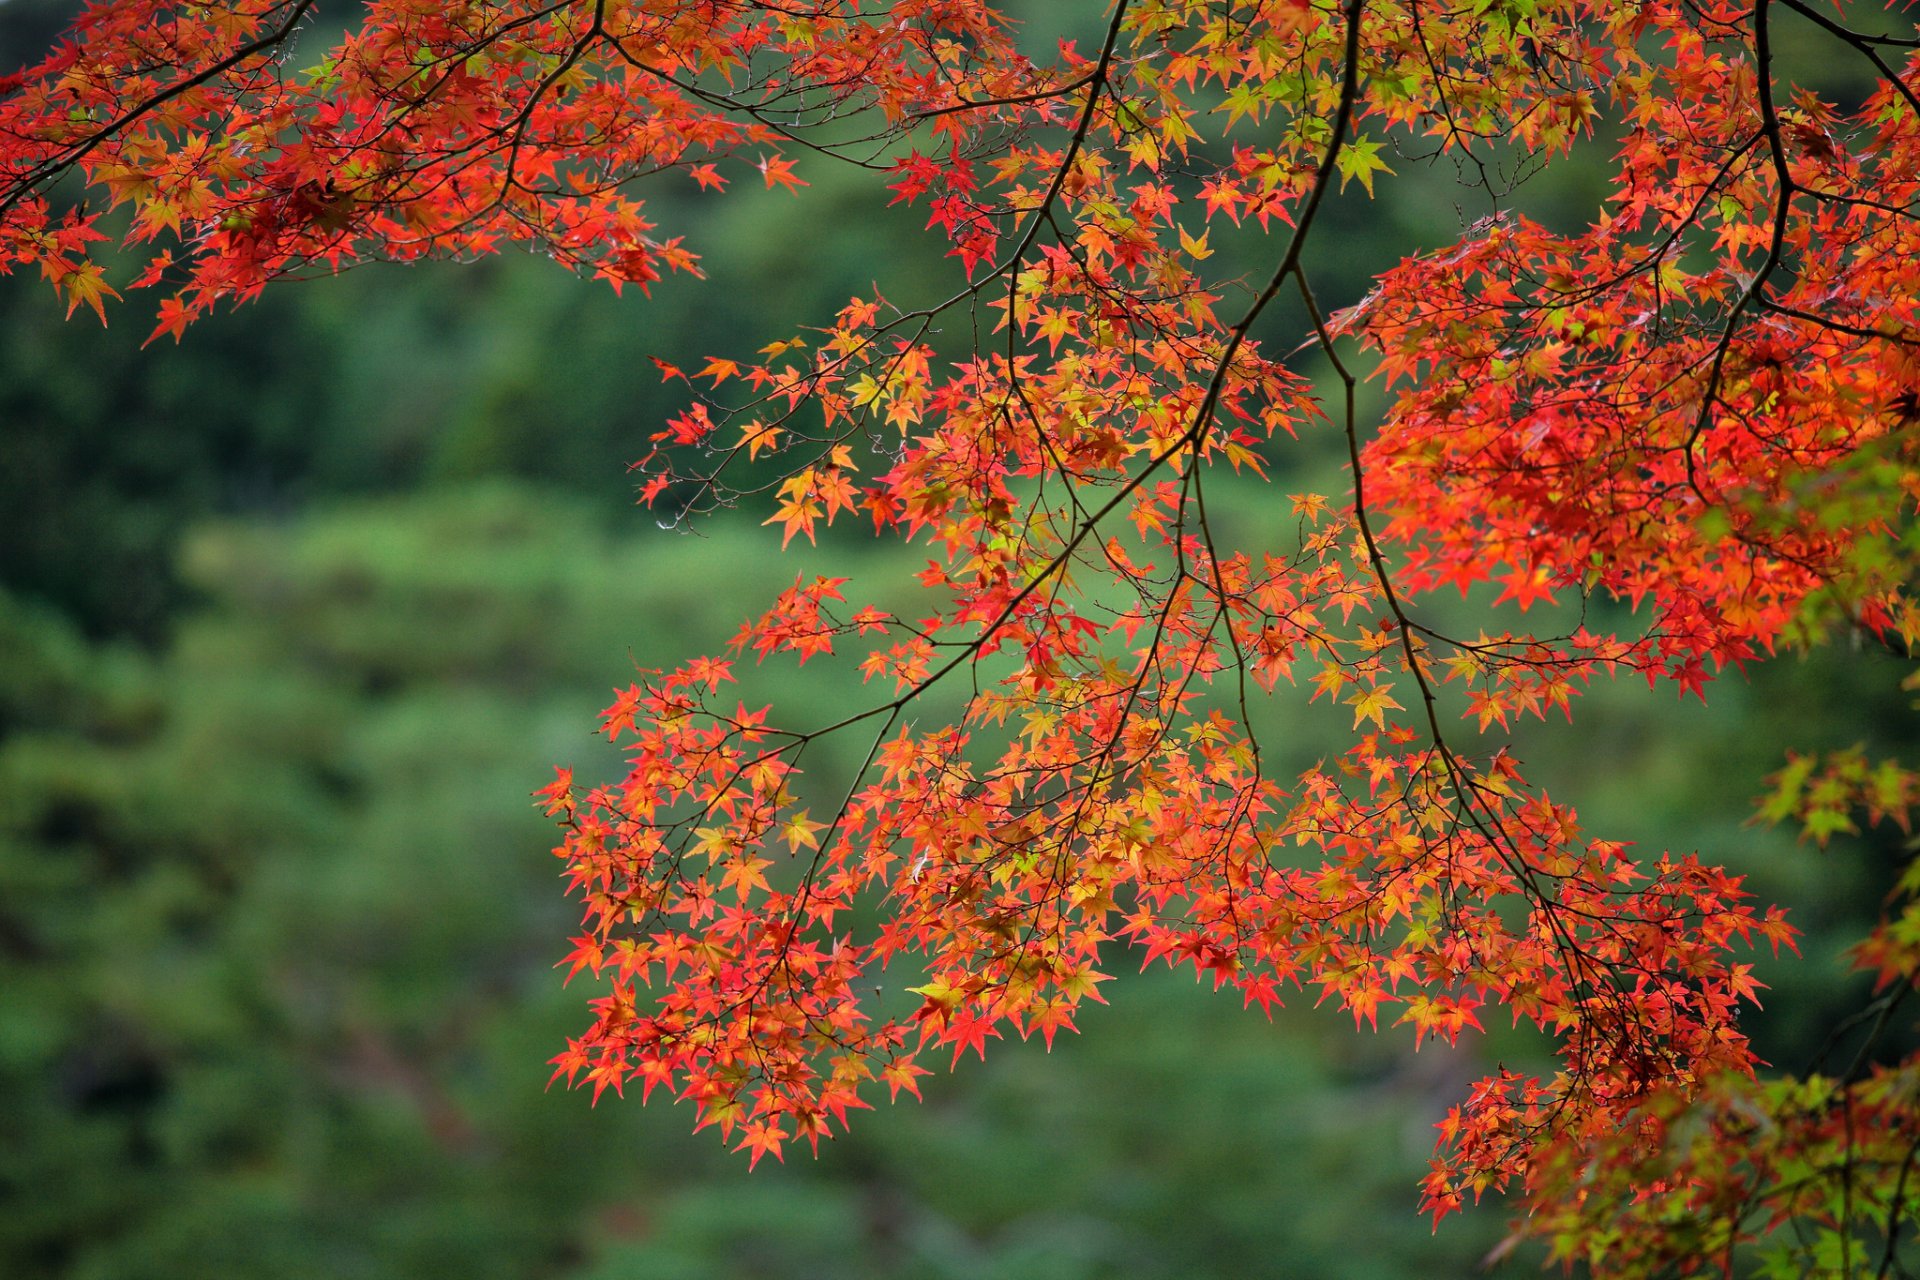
[[1666, 436]]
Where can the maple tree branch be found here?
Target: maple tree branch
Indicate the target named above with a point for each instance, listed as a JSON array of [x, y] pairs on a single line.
[[1096, 81], [1897, 1213], [1455, 131], [1203, 414], [1015, 99], [1864, 45], [1687, 222], [20, 188], [1783, 204], [1237, 336], [1189, 438], [517, 129], [1060, 558], [1220, 596], [1882, 1011], [1465, 787], [1471, 801], [1837, 326], [758, 114]]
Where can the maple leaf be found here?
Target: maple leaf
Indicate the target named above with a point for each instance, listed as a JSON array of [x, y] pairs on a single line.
[[778, 171], [761, 1138], [173, 320], [1361, 159], [968, 1029], [1526, 585], [85, 284], [801, 833], [743, 876], [900, 1074], [1373, 705]]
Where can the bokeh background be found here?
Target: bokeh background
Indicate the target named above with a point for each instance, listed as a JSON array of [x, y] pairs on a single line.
[[295, 615]]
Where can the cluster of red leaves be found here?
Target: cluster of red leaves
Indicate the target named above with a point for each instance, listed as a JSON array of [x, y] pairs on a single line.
[[432, 129], [1699, 404]]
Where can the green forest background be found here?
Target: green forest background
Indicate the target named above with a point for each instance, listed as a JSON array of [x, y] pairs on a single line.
[[294, 617]]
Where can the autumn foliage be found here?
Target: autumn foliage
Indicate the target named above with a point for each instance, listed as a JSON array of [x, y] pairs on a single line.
[[1693, 411]]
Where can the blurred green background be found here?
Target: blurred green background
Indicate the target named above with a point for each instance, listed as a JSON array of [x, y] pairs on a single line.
[[295, 616]]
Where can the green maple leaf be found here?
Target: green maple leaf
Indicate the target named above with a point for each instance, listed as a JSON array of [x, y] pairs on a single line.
[[1360, 159]]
